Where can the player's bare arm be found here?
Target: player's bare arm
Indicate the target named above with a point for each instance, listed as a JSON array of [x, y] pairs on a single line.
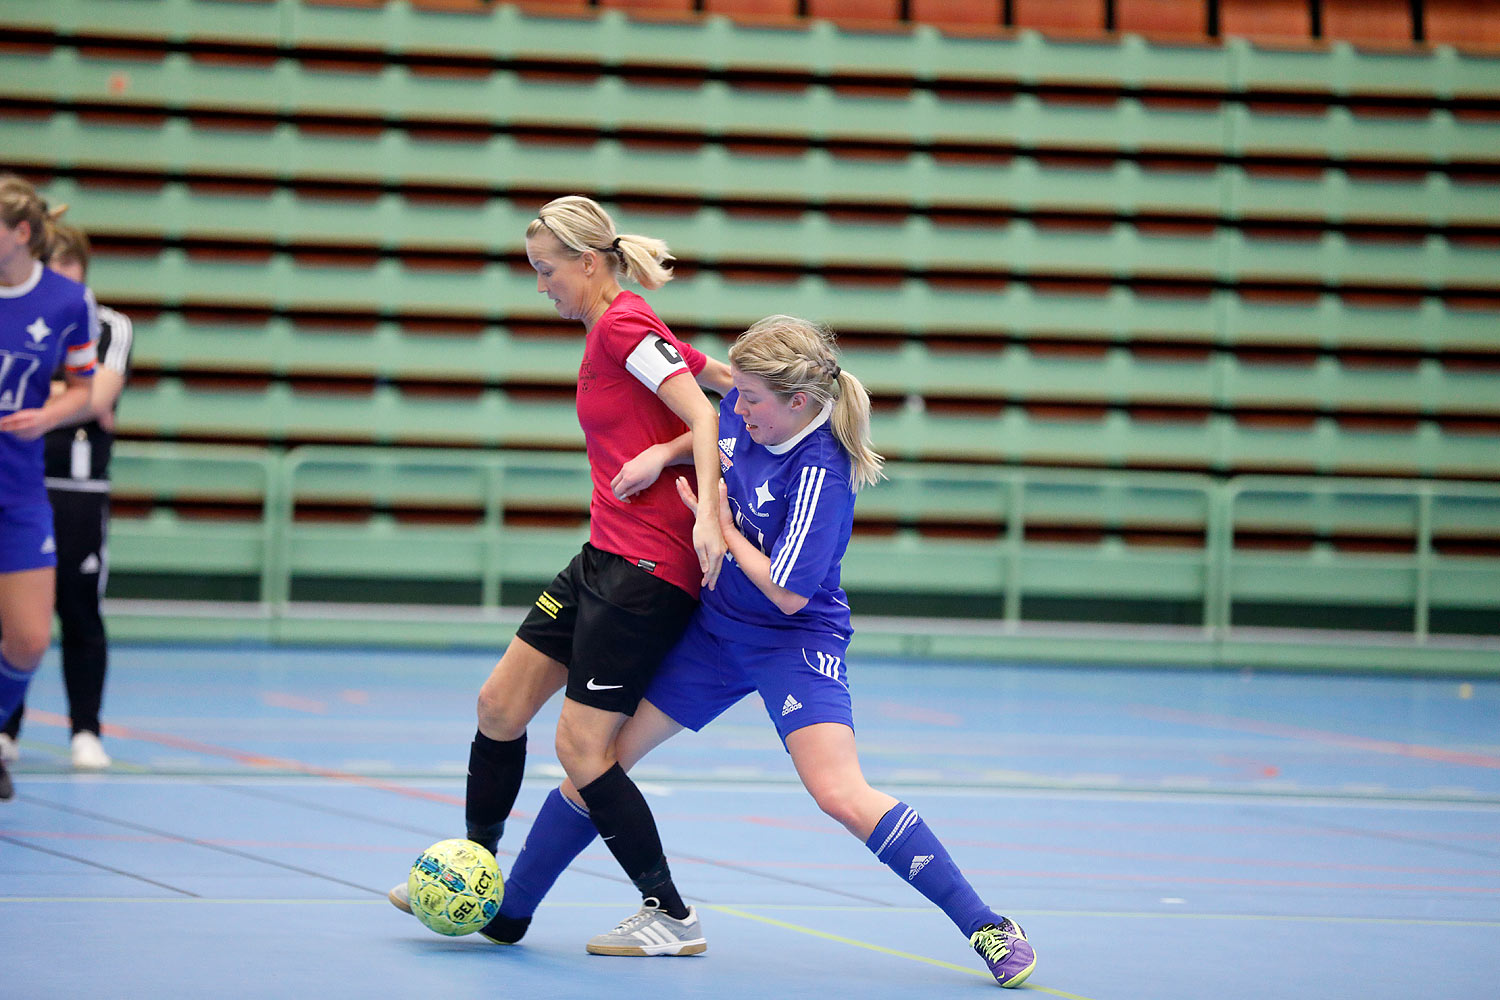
[[684, 398], [643, 470], [68, 406], [755, 563]]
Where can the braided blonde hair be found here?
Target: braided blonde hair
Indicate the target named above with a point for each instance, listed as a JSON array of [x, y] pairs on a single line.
[[794, 355]]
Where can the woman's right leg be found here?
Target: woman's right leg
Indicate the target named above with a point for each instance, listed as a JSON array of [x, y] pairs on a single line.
[[25, 630], [517, 688], [563, 828]]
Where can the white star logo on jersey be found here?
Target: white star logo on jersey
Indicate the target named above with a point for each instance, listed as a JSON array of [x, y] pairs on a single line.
[[39, 332], [763, 495]]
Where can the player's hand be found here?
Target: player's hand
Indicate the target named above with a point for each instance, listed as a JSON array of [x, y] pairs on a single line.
[[685, 491], [28, 425], [637, 474], [708, 541]]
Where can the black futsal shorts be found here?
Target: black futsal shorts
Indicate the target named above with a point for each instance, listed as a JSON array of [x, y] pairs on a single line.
[[610, 623]]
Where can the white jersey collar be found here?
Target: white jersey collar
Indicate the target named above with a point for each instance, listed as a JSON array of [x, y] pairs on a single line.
[[16, 291], [796, 439]]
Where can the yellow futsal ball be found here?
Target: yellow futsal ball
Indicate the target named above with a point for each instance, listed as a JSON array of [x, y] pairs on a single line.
[[455, 887]]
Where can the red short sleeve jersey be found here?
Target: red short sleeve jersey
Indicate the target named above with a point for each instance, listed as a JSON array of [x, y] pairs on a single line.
[[627, 355]]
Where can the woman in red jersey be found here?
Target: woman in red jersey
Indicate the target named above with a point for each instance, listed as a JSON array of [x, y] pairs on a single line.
[[604, 624]]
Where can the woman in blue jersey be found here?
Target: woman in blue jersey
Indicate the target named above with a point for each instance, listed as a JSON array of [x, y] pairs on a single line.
[[794, 448], [77, 469], [47, 324]]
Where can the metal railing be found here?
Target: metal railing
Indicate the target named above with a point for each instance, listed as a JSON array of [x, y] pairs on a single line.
[[278, 545]]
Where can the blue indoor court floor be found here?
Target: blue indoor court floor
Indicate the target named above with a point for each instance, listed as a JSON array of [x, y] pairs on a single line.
[[1160, 834]]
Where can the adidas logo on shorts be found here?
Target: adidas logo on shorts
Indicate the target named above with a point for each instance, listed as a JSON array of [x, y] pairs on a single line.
[[790, 705], [917, 864]]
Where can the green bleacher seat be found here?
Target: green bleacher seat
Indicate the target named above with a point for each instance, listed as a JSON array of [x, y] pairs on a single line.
[[1335, 196], [1336, 133], [387, 415], [1334, 259], [1436, 73], [278, 346], [1328, 321], [1424, 387], [157, 477], [167, 20]]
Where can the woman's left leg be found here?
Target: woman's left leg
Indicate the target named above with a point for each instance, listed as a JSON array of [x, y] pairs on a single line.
[[828, 763]]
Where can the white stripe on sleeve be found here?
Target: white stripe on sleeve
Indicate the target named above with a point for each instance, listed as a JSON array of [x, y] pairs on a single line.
[[809, 487]]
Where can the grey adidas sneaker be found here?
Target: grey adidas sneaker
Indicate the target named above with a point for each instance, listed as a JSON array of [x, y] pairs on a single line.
[[399, 898], [650, 931]]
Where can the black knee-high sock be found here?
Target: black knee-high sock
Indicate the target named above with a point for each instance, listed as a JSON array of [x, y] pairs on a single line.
[[495, 771], [624, 820]]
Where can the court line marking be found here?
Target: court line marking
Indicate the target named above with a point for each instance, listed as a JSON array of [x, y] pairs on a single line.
[[813, 932], [196, 842], [25, 844], [803, 907], [1348, 741]]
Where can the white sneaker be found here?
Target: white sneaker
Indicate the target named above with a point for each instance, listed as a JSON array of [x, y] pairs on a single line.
[[399, 898], [88, 752], [9, 752], [651, 932]]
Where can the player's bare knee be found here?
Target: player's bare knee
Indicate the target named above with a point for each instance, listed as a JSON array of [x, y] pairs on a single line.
[[838, 803], [497, 715], [582, 757], [23, 648]]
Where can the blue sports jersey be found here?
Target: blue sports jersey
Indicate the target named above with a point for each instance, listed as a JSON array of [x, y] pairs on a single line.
[[794, 502], [46, 322]]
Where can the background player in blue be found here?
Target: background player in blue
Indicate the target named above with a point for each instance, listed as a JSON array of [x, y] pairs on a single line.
[[794, 447], [77, 469], [46, 323]]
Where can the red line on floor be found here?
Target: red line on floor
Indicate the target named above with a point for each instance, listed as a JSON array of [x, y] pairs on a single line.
[[249, 759]]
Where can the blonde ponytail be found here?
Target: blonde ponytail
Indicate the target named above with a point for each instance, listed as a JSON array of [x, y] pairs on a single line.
[[20, 202], [580, 224]]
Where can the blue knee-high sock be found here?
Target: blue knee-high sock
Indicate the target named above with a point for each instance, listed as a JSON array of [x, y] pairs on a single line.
[[13, 684], [559, 834], [907, 847]]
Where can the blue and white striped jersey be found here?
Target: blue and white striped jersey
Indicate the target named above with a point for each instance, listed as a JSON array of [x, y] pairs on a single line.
[[794, 502], [46, 323]]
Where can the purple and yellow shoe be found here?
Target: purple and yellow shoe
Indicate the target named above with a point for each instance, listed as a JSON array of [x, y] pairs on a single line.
[[1005, 950]]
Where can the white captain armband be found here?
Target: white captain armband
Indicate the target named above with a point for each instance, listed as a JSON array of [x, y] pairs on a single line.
[[80, 360], [653, 359]]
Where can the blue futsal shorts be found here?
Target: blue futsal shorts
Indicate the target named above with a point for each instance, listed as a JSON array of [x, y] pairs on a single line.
[[704, 675], [26, 537]]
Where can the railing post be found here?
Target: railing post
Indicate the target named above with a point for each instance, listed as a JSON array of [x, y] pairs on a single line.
[[1424, 563], [1015, 535], [270, 527], [494, 524], [284, 512], [1213, 497], [1223, 556]]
